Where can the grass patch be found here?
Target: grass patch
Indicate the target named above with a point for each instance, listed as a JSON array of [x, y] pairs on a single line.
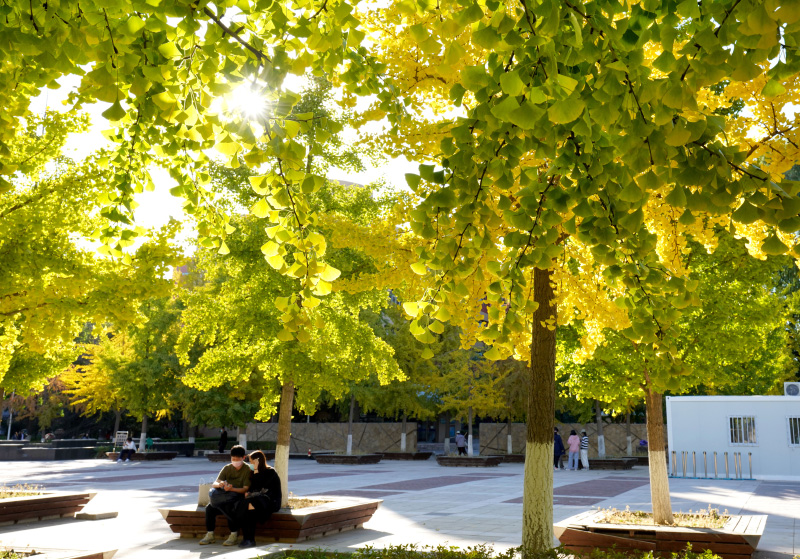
[[704, 518], [19, 491], [411, 551]]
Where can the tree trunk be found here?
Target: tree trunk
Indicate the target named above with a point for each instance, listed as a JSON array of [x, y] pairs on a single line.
[[447, 433], [117, 419], [469, 432], [284, 438], [241, 436], [143, 436], [350, 424], [537, 507], [601, 439], [659, 477], [192, 433], [628, 436], [403, 434], [510, 448]]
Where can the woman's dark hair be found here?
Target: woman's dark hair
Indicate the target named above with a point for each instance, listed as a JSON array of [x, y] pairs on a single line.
[[573, 432], [238, 450], [260, 461]]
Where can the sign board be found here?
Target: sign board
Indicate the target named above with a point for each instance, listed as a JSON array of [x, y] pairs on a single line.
[[120, 438]]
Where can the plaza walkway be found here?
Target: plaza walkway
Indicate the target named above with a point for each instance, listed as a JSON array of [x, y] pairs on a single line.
[[423, 503]]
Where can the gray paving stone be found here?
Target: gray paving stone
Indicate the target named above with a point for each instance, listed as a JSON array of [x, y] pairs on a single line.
[[423, 503]]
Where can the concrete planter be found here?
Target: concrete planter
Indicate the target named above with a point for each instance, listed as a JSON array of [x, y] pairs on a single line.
[[145, 456], [42, 507], [406, 455], [738, 539], [468, 461], [345, 459], [336, 515]]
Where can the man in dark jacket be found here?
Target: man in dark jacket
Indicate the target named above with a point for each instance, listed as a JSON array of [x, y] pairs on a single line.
[[558, 449], [223, 440]]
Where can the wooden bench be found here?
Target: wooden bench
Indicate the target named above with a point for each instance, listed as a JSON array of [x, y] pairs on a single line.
[[738, 539], [42, 507], [146, 456], [612, 463], [336, 515]]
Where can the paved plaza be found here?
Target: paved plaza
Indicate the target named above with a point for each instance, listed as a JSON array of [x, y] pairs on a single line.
[[423, 503]]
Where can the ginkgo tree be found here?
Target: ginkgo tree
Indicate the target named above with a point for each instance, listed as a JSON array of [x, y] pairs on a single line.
[[593, 135], [51, 281], [592, 147], [233, 317]]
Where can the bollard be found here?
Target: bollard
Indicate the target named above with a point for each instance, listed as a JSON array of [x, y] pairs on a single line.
[[674, 465], [694, 464], [737, 464], [705, 464], [715, 464], [683, 459], [727, 475], [750, 459]]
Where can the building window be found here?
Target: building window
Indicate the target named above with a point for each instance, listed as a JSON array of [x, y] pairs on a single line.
[[743, 430], [794, 431]]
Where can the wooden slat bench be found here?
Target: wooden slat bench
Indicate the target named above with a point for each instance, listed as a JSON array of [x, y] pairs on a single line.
[[612, 463], [146, 456], [42, 507], [738, 539], [337, 515]]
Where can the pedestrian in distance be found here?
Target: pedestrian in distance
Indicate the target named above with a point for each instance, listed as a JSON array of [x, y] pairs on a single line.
[[223, 440], [558, 449], [461, 444], [574, 444], [584, 450]]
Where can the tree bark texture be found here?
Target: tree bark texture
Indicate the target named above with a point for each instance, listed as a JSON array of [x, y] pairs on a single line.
[[659, 477], [537, 508], [284, 438]]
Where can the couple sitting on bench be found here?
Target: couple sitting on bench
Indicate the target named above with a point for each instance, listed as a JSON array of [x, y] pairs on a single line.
[[244, 496]]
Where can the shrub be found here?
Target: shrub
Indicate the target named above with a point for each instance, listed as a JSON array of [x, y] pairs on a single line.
[[411, 551]]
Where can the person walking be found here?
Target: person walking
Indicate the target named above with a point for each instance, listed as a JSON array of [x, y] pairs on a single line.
[[558, 449], [461, 444], [584, 450], [574, 444]]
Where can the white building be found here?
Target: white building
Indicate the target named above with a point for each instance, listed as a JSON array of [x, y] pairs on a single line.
[[758, 435]]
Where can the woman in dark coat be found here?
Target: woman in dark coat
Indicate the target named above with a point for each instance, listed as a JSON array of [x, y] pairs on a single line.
[[262, 499]]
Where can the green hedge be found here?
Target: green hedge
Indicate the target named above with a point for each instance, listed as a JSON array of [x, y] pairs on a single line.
[[411, 551]]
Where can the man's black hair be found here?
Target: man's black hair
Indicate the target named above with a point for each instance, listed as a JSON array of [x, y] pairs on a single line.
[[238, 450]]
